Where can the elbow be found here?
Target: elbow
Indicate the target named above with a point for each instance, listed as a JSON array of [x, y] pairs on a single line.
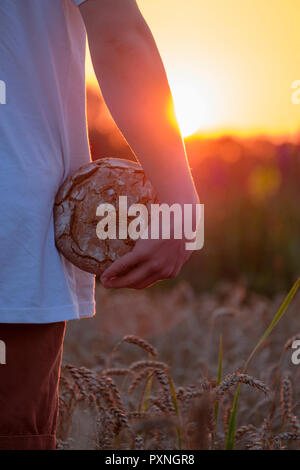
[[129, 42], [120, 45]]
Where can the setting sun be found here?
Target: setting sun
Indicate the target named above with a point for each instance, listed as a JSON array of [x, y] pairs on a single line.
[[189, 107], [193, 103], [229, 73], [238, 61]]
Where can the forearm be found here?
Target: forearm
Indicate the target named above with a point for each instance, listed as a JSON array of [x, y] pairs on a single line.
[[140, 106], [135, 88]]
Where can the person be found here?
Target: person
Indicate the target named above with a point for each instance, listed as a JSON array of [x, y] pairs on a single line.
[[43, 140]]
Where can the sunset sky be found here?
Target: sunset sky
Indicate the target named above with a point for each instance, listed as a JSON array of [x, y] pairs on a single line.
[[230, 63]]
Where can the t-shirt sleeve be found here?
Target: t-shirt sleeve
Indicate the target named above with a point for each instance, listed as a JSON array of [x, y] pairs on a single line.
[[78, 2]]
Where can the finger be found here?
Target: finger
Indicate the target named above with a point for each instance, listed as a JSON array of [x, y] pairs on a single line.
[[153, 277], [150, 281], [121, 266], [135, 276]]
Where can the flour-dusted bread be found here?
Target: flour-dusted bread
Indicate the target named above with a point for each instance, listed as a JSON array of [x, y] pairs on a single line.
[[75, 219]]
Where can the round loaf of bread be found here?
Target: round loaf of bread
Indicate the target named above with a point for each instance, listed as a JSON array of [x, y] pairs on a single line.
[[75, 219]]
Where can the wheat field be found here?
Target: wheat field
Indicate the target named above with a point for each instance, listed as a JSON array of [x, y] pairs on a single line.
[[144, 373]]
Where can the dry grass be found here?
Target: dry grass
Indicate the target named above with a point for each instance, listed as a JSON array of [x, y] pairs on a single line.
[[120, 392]]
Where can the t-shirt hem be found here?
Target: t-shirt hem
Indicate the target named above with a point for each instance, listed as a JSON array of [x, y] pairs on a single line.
[[47, 315]]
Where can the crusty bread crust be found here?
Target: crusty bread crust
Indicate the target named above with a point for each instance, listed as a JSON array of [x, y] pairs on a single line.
[[75, 220]]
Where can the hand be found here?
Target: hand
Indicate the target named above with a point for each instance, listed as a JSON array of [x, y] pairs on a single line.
[[149, 261]]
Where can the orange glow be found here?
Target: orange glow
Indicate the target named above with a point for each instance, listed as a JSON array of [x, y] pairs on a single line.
[[194, 105], [230, 64]]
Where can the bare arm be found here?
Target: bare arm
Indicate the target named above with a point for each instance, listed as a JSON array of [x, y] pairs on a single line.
[[135, 88]]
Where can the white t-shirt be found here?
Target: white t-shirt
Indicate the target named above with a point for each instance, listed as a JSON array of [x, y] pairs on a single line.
[[43, 139]]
